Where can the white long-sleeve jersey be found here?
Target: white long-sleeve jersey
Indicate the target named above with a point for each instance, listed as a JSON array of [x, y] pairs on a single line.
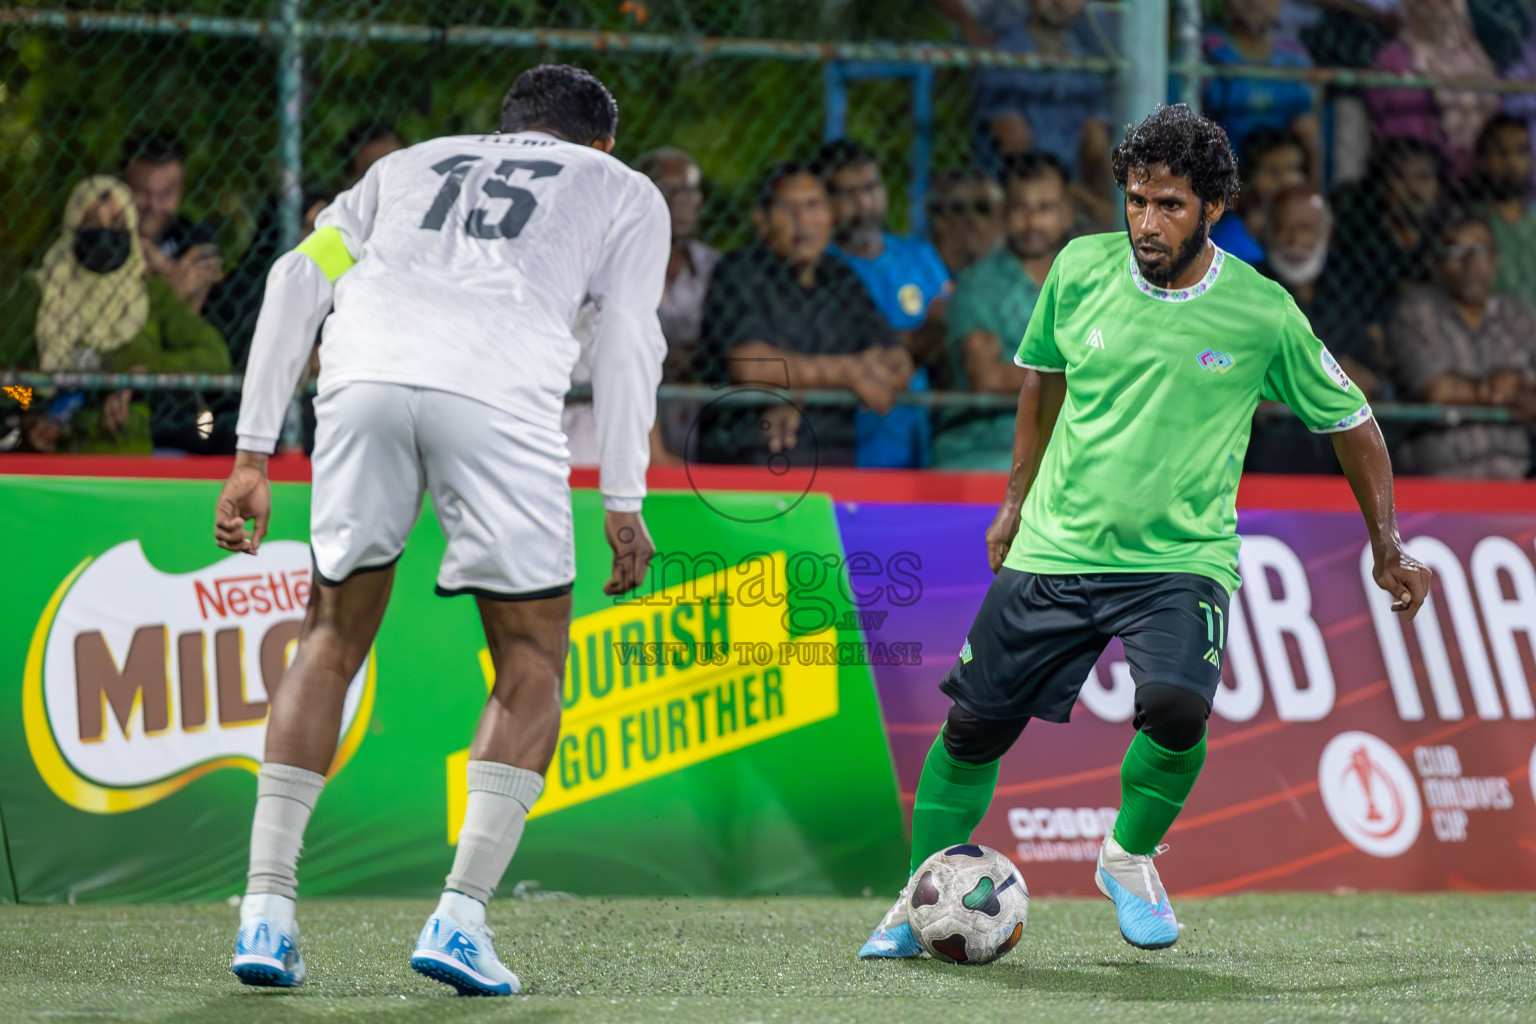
[[460, 264]]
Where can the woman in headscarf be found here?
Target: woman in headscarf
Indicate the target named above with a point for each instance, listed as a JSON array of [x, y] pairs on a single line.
[[93, 297], [1436, 42], [93, 310]]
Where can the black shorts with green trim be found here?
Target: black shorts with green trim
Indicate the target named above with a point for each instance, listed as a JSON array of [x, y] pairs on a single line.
[[1036, 637]]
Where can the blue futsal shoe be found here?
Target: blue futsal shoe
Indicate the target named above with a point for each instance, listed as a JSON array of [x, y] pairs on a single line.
[[460, 954], [1141, 903], [267, 954], [893, 939]]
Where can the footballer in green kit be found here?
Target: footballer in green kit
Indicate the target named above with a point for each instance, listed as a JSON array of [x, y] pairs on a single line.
[[1152, 350]]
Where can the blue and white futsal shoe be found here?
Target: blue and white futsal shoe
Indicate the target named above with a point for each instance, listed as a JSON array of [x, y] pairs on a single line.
[[1130, 881], [459, 954], [267, 954], [893, 938]]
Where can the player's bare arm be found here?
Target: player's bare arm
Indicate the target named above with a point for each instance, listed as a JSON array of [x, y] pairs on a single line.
[[297, 300], [1040, 400], [632, 551], [628, 349], [245, 496], [1363, 454]]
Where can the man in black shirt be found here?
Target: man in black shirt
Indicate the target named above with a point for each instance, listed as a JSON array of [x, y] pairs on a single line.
[[781, 313], [183, 255], [175, 249]]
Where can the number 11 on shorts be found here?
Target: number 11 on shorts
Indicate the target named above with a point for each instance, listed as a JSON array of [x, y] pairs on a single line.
[[1215, 632]]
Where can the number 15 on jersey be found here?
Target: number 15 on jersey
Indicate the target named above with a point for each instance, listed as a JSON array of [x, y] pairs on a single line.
[[479, 224]]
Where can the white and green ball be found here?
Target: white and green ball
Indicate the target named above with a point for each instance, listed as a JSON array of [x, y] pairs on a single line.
[[968, 905]]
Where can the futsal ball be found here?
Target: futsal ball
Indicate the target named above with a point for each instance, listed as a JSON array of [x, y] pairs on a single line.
[[968, 905]]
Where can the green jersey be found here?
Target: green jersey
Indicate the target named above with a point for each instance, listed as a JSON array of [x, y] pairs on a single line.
[[1142, 469]]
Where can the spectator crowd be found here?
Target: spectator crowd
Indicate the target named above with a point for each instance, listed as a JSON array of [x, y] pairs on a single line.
[[1398, 217]]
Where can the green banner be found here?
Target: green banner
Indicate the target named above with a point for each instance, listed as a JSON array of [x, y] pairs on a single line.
[[710, 742], [7, 879]]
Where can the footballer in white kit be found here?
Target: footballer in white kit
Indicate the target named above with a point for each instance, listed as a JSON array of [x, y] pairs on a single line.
[[448, 281]]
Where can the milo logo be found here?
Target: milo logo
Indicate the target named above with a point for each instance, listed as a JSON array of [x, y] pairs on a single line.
[[139, 681]]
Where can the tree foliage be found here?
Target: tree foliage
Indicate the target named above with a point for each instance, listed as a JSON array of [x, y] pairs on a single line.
[[70, 98]]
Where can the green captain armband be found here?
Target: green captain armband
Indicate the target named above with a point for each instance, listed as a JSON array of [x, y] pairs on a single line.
[[328, 251]]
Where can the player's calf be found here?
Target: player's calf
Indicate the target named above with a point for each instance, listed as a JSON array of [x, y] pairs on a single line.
[[266, 947], [1159, 770]]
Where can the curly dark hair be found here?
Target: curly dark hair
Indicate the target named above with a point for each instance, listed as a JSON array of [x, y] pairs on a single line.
[[1189, 145], [563, 100]]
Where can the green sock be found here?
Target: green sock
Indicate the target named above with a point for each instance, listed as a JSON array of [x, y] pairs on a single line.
[[1154, 783], [952, 798]]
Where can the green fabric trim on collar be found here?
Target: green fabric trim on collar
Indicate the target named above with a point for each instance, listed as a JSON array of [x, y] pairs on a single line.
[[329, 252]]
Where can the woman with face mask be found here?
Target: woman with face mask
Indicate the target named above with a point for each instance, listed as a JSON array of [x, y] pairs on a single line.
[[93, 297], [93, 310]]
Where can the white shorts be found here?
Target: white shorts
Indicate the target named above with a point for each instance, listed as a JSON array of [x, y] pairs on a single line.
[[500, 487]]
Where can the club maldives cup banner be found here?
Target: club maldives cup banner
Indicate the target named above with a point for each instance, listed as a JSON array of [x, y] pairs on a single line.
[[712, 742], [1347, 748], [755, 718]]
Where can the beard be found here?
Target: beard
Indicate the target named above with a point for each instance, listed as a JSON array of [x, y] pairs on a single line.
[[1029, 252], [1297, 268], [862, 230], [1186, 255]]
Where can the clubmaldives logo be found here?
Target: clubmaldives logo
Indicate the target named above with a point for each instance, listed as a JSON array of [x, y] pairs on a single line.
[[139, 681], [1370, 794], [1218, 362]]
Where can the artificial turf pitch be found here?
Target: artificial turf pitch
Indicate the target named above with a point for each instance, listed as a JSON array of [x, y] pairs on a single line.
[[1452, 957]]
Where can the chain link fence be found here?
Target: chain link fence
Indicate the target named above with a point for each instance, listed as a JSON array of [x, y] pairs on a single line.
[[1387, 173], [271, 107]]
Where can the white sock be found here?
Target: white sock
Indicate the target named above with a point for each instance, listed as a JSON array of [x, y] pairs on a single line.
[[500, 797], [285, 796], [463, 909], [266, 906]]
